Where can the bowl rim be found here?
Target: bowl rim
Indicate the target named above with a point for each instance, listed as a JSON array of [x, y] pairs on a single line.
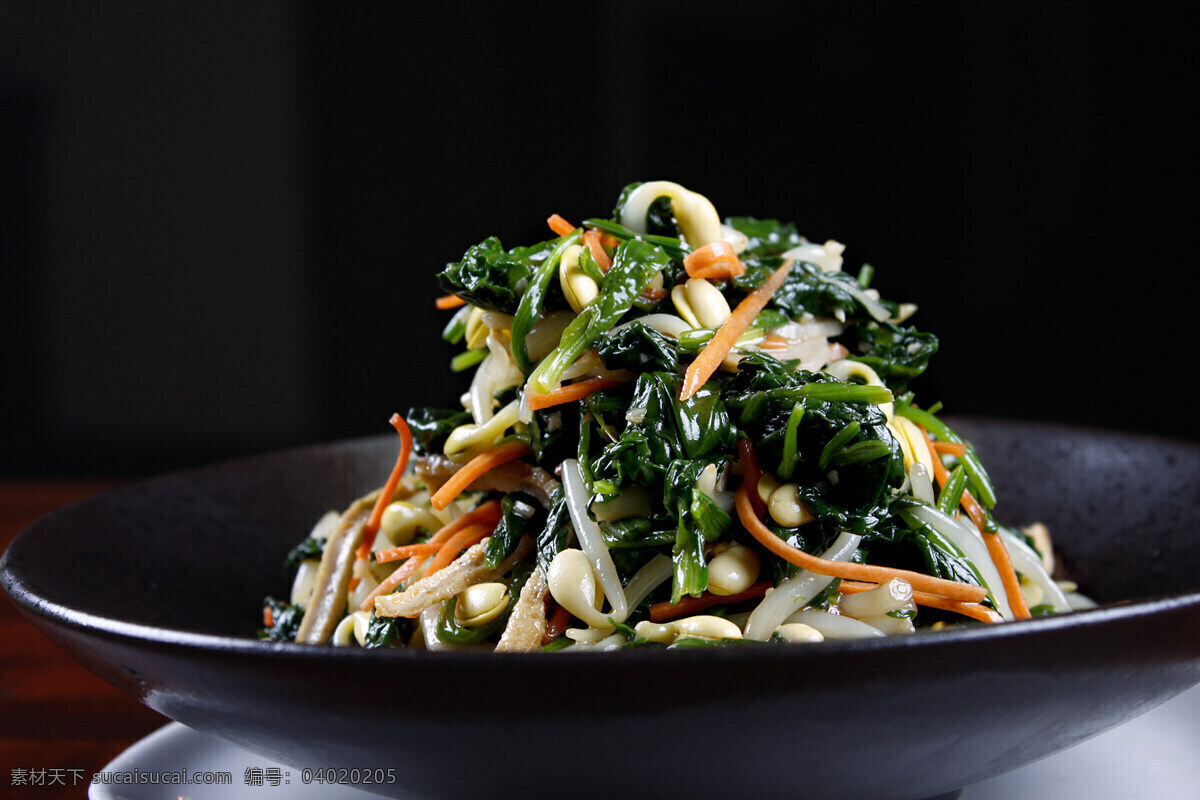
[[79, 620], [156, 636]]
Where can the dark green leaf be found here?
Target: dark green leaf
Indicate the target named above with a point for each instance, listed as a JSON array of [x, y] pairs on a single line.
[[431, 426], [286, 619], [489, 276], [518, 513], [640, 348], [310, 548]]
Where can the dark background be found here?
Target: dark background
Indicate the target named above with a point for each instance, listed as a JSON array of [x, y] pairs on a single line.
[[219, 222]]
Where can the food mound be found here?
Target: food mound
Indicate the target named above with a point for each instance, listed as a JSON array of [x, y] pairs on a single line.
[[680, 431]]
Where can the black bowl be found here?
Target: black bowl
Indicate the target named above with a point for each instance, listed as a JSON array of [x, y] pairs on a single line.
[[157, 588]]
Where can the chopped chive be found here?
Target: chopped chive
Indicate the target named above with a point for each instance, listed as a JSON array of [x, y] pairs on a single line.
[[456, 328], [675, 247], [860, 453], [839, 440], [952, 492], [589, 267], [985, 492], [845, 393], [467, 359], [787, 461], [865, 275]]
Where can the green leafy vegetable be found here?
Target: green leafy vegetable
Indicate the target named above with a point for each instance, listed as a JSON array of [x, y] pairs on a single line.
[[532, 301], [489, 276], [285, 621], [634, 265]]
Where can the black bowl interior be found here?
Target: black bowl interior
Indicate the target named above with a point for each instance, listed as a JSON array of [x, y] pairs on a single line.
[[157, 587]]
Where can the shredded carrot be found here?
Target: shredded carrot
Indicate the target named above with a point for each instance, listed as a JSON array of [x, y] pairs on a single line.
[[486, 513], [840, 569], [751, 473], [405, 551], [575, 391], [974, 510], [972, 610], [714, 261], [956, 449], [449, 550], [475, 468], [449, 301], [661, 612], [557, 623], [268, 617], [389, 584], [653, 295], [389, 488], [940, 473], [856, 587], [714, 352], [773, 341], [995, 545], [1008, 575], [559, 225], [595, 243]]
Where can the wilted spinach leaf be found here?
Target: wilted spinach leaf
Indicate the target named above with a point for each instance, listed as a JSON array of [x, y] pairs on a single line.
[[310, 548], [768, 237], [285, 621], [897, 354], [489, 276], [431, 426], [640, 348]]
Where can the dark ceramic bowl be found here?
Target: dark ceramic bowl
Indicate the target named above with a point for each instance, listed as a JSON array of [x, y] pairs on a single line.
[[157, 588]]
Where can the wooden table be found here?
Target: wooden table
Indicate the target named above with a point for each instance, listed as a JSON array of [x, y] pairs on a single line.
[[58, 721]]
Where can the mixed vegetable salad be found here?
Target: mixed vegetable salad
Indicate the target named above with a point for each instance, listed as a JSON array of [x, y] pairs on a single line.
[[681, 430]]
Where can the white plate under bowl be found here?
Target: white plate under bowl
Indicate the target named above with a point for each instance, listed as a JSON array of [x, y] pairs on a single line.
[[1154, 756]]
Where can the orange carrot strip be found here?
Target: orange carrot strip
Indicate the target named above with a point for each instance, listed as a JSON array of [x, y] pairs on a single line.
[[574, 391], [957, 449], [389, 584], [449, 301], [559, 225], [972, 610], [995, 545], [268, 617], [486, 513], [405, 551], [773, 341], [840, 569], [714, 352], [473, 469], [653, 295], [751, 474], [940, 473], [595, 243], [714, 261], [974, 510], [715, 273], [1008, 575], [449, 550], [661, 612], [389, 488]]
